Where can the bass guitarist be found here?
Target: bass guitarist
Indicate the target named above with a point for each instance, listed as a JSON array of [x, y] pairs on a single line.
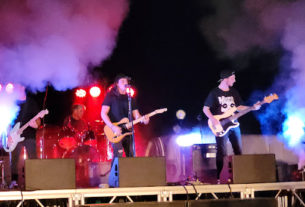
[[114, 109], [220, 100]]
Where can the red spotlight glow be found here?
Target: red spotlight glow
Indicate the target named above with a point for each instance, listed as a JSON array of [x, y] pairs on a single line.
[[81, 93], [95, 91], [110, 88], [130, 91], [9, 88]]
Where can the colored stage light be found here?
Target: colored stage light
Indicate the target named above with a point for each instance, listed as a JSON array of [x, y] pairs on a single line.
[[293, 129], [188, 139], [110, 88], [195, 136], [130, 91], [0, 87], [180, 114], [81, 93], [9, 88], [95, 91]]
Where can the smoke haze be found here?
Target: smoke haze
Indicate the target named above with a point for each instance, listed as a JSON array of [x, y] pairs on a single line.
[[238, 26], [54, 41]]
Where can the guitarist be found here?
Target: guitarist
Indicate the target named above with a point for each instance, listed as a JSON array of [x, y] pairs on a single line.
[[220, 100], [28, 110], [115, 108]]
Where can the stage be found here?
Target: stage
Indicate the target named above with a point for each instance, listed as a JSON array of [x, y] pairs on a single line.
[[77, 197]]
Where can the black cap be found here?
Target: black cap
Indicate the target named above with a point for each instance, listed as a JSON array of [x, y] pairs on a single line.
[[225, 74], [119, 76]]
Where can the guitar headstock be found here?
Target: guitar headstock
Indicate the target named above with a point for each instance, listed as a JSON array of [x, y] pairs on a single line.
[[160, 111], [42, 113], [270, 98]]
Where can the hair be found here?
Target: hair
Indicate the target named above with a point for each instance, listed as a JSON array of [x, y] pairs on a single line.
[[77, 106], [120, 76]]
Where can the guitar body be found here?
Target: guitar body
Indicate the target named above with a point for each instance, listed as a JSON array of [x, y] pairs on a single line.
[[228, 119], [114, 138], [225, 123], [14, 135], [125, 125]]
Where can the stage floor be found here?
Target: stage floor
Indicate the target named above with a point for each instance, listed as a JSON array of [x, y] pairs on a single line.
[[161, 193]]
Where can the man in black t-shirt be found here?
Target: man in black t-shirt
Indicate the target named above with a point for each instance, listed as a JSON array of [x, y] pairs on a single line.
[[28, 110], [115, 108], [219, 101]]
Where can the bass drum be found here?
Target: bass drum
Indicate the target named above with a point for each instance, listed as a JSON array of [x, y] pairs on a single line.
[[47, 142], [84, 156]]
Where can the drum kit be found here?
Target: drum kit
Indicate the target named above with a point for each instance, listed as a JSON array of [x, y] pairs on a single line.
[[85, 147], [62, 142]]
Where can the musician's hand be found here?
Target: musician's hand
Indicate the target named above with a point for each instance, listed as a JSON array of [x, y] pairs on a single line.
[[33, 124], [215, 122], [145, 120], [257, 106], [116, 130]]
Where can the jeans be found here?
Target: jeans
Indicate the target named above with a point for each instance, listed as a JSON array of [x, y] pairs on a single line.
[[125, 144], [234, 136], [30, 145]]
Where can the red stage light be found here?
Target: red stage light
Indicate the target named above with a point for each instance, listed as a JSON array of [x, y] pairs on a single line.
[[110, 88], [9, 88], [95, 91], [130, 91], [81, 93]]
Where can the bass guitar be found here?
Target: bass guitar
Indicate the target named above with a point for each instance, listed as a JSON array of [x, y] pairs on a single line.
[[14, 135], [228, 120], [125, 125]]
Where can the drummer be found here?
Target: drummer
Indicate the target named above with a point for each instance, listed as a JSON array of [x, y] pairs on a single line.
[[75, 122]]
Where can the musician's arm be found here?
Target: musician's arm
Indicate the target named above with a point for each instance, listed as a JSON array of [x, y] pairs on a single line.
[[242, 108], [136, 114], [256, 106], [208, 113], [106, 119]]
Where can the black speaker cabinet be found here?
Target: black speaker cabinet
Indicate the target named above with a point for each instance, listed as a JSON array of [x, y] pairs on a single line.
[[242, 169], [264, 202], [204, 162], [138, 172], [49, 174]]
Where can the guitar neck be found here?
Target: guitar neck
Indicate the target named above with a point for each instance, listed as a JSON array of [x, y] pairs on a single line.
[[134, 122], [241, 113], [27, 124]]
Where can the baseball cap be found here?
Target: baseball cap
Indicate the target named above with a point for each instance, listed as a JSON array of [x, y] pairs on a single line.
[[225, 74]]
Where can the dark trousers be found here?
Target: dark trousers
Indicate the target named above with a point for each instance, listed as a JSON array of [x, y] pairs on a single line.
[[126, 144], [30, 145], [234, 136]]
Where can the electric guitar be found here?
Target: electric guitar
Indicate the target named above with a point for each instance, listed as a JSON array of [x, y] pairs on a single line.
[[228, 119], [125, 125], [14, 135]]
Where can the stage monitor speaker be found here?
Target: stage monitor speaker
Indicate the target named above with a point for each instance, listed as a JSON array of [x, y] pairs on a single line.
[[204, 162], [242, 169], [49, 174], [264, 202], [138, 172]]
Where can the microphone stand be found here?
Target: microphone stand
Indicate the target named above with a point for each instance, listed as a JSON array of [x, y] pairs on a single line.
[[132, 127]]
